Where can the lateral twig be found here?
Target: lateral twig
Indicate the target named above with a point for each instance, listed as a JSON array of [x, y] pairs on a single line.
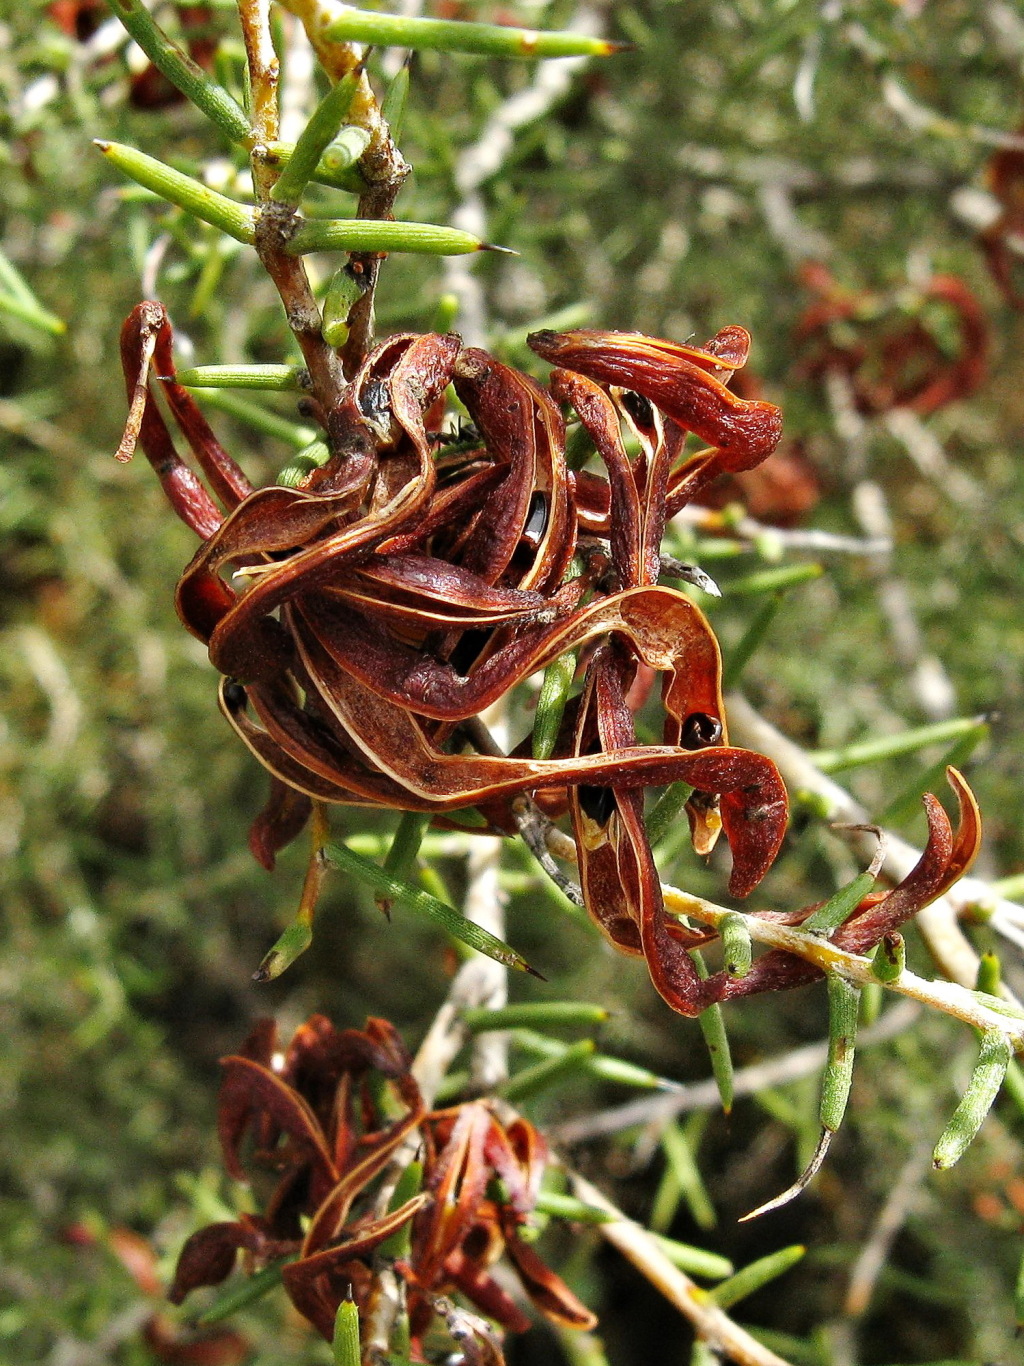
[[536, 831], [711, 1324], [795, 538], [705, 1095], [893, 1215], [949, 997], [478, 162]]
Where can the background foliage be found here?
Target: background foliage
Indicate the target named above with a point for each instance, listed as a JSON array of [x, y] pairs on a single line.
[[673, 190]]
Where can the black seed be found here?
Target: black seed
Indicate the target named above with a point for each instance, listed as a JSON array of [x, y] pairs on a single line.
[[375, 400], [234, 695], [700, 730], [467, 650], [598, 803], [638, 408]]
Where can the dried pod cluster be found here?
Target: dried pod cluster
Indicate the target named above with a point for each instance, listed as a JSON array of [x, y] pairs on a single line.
[[408, 582], [920, 352], [364, 1179]]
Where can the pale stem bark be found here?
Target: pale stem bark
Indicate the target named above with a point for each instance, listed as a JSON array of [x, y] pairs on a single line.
[[705, 1095], [480, 981], [893, 1215], [316, 16], [477, 163], [927, 453], [639, 1247], [930, 681], [485, 904], [928, 677], [786, 538], [297, 84], [263, 69], [949, 997]]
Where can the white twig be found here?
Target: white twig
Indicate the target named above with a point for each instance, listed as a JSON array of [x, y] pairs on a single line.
[[806, 75], [297, 81], [151, 264], [949, 997], [919, 118], [486, 901], [931, 682], [50, 671], [485, 157], [711, 1324], [796, 239], [787, 538], [705, 1095], [925, 450], [485, 904], [891, 1219]]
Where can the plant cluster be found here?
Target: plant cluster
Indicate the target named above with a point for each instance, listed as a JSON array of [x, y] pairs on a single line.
[[462, 1199], [400, 578]]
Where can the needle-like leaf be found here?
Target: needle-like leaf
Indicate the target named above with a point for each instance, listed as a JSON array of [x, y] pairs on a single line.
[[968, 1117], [422, 903], [449, 35], [193, 196]]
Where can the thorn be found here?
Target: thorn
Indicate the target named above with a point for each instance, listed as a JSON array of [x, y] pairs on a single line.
[[690, 573], [705, 581], [492, 246], [800, 1184], [875, 867]]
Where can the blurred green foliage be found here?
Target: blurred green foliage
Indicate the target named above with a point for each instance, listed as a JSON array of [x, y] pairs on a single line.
[[672, 190]]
